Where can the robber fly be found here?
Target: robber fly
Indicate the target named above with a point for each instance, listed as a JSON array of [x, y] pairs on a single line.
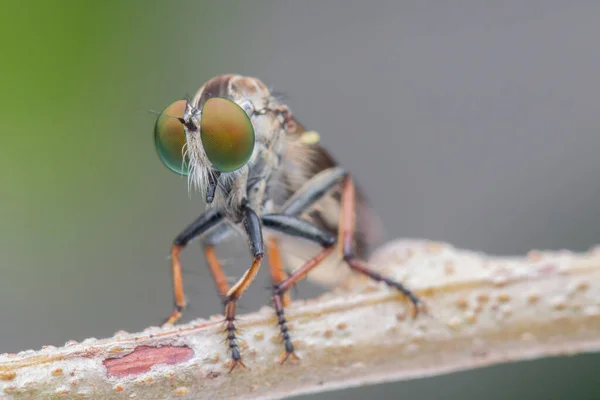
[[259, 169]]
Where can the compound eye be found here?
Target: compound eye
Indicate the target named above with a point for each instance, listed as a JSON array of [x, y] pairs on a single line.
[[169, 138], [227, 134]]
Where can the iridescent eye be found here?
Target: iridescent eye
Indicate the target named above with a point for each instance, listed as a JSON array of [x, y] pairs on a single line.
[[227, 134], [169, 138]]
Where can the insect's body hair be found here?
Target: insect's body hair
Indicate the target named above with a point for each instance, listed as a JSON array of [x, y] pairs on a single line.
[[249, 181], [281, 163]]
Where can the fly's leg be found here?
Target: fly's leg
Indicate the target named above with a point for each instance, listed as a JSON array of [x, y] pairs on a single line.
[[346, 244], [198, 227], [280, 289], [295, 227], [313, 190], [254, 232], [277, 271], [223, 287], [216, 236], [216, 270]]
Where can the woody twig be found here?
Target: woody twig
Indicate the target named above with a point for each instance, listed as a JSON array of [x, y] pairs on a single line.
[[482, 310]]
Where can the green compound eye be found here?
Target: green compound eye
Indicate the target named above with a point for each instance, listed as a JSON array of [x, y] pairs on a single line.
[[227, 134], [169, 138]]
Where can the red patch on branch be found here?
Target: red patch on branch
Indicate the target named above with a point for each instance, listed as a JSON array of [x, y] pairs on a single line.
[[144, 357]]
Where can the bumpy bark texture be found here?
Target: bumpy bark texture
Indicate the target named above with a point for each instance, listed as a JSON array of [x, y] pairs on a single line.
[[481, 310]]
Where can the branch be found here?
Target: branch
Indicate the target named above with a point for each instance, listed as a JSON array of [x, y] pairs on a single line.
[[482, 311]]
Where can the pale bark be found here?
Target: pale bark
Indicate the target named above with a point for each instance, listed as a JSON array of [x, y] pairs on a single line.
[[482, 310]]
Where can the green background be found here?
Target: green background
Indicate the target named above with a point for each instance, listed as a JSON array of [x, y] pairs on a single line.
[[473, 124]]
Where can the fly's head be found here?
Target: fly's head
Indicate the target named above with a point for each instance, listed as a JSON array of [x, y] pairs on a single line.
[[222, 135]]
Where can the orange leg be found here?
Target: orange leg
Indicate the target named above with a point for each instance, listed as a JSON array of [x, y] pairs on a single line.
[[231, 298], [346, 246], [278, 274], [203, 223], [215, 269], [254, 231], [229, 295], [282, 288], [177, 286], [213, 265], [223, 287], [293, 226]]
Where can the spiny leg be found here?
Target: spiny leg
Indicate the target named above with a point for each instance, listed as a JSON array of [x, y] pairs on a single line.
[[346, 244], [254, 232], [206, 221], [295, 227], [282, 288], [223, 288], [278, 274]]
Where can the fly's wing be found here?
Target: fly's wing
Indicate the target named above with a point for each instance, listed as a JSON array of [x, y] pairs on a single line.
[[303, 159]]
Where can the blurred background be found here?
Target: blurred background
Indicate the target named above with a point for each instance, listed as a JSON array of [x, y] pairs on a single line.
[[475, 124]]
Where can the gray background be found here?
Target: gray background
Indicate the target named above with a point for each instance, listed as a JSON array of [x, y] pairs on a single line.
[[475, 123]]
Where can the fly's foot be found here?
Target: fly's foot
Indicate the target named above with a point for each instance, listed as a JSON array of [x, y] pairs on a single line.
[[236, 359], [231, 330], [173, 317], [287, 341], [234, 348], [289, 352], [283, 328], [417, 305], [360, 267], [417, 308]]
